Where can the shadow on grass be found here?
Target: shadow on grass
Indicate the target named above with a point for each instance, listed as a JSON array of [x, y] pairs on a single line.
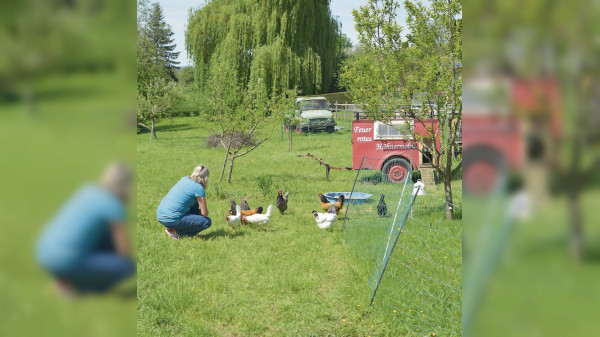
[[127, 293], [219, 233], [174, 127], [167, 127], [591, 253]]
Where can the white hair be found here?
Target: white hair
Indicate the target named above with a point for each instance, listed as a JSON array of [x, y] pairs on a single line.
[[200, 175], [117, 179]]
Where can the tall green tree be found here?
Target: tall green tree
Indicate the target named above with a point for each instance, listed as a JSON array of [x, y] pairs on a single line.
[[147, 66], [419, 77], [155, 46], [282, 44], [160, 35], [157, 91]]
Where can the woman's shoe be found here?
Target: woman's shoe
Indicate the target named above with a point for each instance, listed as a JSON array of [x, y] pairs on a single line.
[[172, 233]]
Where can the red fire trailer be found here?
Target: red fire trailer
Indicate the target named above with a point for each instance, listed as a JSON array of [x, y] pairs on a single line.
[[502, 138], [391, 147]]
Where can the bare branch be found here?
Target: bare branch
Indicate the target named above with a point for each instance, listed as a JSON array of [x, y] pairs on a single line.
[[320, 160], [456, 169], [144, 125], [247, 151]]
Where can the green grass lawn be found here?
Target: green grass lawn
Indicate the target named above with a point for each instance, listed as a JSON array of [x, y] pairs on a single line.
[[287, 278], [537, 290], [421, 287]]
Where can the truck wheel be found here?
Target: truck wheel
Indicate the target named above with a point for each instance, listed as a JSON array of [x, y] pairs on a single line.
[[483, 170], [396, 170]]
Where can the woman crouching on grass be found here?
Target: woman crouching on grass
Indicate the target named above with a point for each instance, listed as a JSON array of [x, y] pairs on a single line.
[[183, 210]]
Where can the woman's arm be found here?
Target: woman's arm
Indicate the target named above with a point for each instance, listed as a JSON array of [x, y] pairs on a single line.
[[202, 205], [120, 239]]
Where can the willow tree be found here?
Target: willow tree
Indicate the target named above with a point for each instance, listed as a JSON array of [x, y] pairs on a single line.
[[283, 44]]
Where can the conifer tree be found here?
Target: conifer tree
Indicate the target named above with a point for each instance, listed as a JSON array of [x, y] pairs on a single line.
[[160, 36]]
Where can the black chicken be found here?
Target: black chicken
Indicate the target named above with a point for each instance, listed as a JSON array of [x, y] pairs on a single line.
[[382, 207], [232, 209], [282, 201]]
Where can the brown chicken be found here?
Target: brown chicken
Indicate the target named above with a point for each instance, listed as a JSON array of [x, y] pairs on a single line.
[[325, 204], [257, 210]]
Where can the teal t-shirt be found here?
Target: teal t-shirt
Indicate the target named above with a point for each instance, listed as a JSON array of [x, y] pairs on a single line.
[[179, 200], [79, 226]]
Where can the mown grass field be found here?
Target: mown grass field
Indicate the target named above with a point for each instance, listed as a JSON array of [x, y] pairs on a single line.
[[288, 278], [421, 287], [537, 289]]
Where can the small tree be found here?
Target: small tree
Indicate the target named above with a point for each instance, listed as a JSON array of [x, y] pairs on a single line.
[[393, 75], [240, 112], [161, 95]]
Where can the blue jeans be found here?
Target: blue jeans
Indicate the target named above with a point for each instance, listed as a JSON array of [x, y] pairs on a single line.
[[98, 271], [190, 224]]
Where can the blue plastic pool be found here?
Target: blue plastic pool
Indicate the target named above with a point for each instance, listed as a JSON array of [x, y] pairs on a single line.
[[357, 197]]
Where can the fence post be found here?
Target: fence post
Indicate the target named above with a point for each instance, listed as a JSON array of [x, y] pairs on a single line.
[[387, 260], [353, 185], [336, 110]]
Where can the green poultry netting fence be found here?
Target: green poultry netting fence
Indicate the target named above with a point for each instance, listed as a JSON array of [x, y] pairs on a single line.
[[409, 250]]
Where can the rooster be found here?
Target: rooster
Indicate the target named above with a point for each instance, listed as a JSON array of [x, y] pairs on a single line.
[[245, 206], [282, 201], [234, 220], [249, 212], [338, 204], [260, 219], [325, 220]]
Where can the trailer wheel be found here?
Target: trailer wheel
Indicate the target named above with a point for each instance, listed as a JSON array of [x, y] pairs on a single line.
[[396, 170], [483, 170]]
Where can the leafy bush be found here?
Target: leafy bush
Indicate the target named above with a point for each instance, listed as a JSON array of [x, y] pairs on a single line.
[[416, 175]]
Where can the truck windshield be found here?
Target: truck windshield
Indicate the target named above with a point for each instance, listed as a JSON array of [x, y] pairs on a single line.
[[317, 104]]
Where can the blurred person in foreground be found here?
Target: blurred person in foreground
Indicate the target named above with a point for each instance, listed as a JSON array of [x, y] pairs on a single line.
[[183, 210], [85, 247]]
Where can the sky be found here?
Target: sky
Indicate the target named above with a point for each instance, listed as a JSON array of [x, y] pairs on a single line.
[[176, 13]]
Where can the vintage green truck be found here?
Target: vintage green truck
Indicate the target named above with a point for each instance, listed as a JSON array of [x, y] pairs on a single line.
[[314, 115]]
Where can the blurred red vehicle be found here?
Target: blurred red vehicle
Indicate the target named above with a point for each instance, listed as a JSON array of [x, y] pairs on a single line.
[[506, 124]]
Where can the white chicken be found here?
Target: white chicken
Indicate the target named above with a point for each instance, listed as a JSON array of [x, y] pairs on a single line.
[[325, 220], [235, 220], [419, 188], [260, 219]]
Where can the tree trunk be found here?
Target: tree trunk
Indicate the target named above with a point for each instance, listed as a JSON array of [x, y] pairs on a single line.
[[290, 138], [225, 162], [230, 169], [449, 203], [576, 226], [153, 131]]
